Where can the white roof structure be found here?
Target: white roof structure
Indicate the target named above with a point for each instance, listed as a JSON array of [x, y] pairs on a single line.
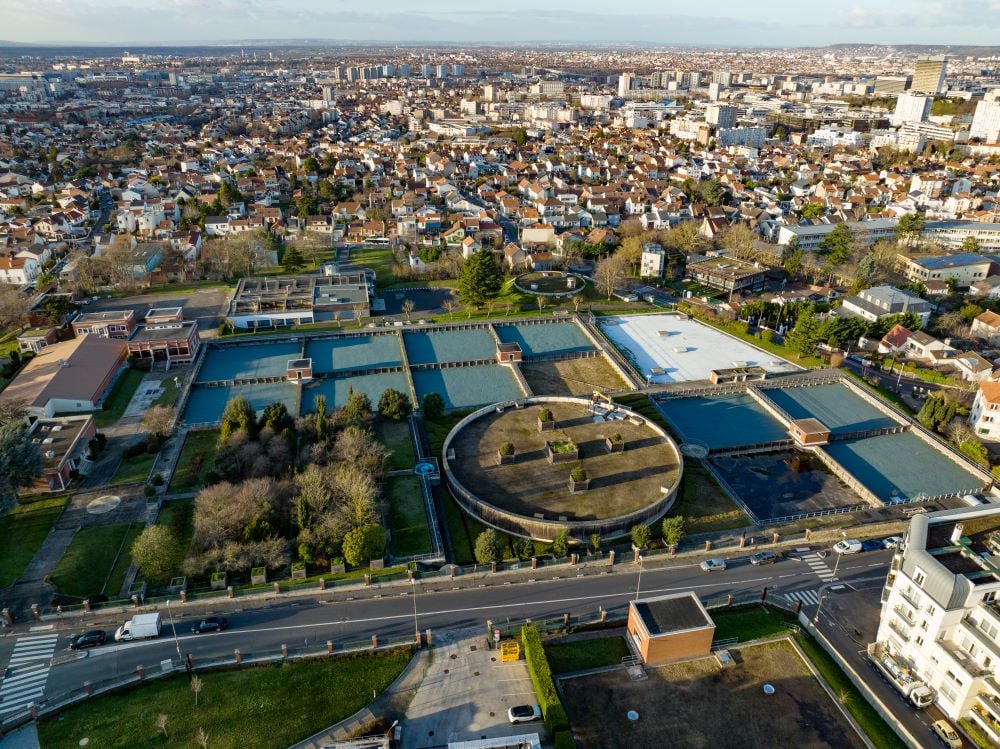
[[671, 348]]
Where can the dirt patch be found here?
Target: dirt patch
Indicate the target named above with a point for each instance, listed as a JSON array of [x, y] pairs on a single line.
[[571, 376], [619, 482], [700, 705]]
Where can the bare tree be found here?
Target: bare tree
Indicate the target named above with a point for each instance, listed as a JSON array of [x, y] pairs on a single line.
[[740, 241], [161, 723], [490, 304], [158, 420], [13, 310], [507, 308], [542, 302], [450, 305], [359, 310], [577, 301], [196, 687], [609, 273], [408, 306], [202, 737], [336, 316]]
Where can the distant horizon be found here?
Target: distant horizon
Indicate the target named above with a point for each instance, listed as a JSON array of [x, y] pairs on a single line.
[[726, 24]]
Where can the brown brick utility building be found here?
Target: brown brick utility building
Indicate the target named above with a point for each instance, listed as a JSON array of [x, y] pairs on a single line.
[[670, 628]]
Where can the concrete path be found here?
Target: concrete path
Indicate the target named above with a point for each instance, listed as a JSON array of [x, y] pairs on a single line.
[[465, 693], [22, 738]]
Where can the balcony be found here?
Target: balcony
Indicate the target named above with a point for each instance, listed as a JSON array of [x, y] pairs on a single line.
[[987, 722], [899, 629], [905, 614], [911, 598], [990, 703], [962, 659]]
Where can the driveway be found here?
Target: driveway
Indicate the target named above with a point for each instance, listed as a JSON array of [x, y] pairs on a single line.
[[466, 692]]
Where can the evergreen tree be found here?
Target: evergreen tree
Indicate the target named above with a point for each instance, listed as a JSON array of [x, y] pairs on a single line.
[[480, 279], [293, 260], [805, 336]]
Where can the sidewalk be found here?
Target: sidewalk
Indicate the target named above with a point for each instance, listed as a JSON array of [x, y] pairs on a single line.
[[23, 738]]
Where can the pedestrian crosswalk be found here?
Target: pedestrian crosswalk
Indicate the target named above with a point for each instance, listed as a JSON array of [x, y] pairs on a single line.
[[27, 672], [806, 597], [820, 567]]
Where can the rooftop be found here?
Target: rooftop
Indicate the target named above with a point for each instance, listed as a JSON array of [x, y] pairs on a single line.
[[165, 331], [54, 437], [951, 261], [675, 613], [109, 316]]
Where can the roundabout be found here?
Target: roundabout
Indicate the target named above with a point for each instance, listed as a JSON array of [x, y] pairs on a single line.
[[550, 283], [540, 465]]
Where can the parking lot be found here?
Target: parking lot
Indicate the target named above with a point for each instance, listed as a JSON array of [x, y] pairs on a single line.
[[207, 306], [466, 692]]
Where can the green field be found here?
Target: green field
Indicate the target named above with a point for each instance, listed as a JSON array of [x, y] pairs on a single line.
[[379, 259], [395, 435], [169, 394], [23, 530], [134, 470], [118, 400], [178, 515], [195, 460], [565, 658], [407, 517], [703, 504], [92, 565], [265, 707]]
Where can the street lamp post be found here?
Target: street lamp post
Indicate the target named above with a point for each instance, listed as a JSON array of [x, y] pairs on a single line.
[[416, 627], [638, 584], [822, 596], [177, 643]]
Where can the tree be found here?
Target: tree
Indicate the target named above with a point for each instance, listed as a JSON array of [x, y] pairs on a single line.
[[560, 543], [523, 548], [13, 310], [480, 280], [363, 544], [609, 273], [155, 552], [805, 336], [640, 536], [450, 305], [740, 241], [487, 548], [812, 210], [433, 406], [394, 405], [293, 260], [158, 420], [971, 244], [161, 723], [791, 257], [407, 308], [712, 192], [837, 245], [910, 225], [595, 542], [201, 737], [196, 687], [276, 416], [238, 415], [20, 461], [673, 530], [358, 408], [520, 136]]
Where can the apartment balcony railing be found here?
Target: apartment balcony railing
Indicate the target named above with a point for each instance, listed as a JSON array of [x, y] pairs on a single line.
[[911, 598], [899, 629], [905, 614]]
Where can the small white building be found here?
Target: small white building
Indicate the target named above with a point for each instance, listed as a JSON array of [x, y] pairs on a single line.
[[985, 413]]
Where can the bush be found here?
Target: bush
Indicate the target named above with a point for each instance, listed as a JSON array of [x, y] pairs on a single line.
[[394, 405], [158, 480], [616, 437], [507, 448], [541, 679], [134, 451], [545, 415], [640, 535], [433, 407], [560, 544], [488, 547], [578, 474]]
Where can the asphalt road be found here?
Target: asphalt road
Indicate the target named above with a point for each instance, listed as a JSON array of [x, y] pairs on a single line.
[[262, 627]]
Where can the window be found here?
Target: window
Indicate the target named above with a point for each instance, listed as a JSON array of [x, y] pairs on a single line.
[[949, 693], [919, 577], [919, 640], [931, 609]]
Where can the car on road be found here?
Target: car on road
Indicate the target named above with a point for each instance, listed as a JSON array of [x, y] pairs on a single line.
[[88, 639], [943, 730], [211, 624], [713, 565], [764, 557], [893, 542], [524, 713], [847, 546], [872, 545]]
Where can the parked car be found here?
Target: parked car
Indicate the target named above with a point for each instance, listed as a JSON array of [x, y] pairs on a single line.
[[711, 565], [764, 557], [524, 713], [873, 545], [893, 542], [847, 546], [943, 730], [88, 639], [211, 624]]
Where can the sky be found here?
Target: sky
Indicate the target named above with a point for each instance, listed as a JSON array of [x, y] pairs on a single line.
[[777, 23]]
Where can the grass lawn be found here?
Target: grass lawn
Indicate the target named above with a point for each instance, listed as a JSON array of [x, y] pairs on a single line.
[[462, 530], [121, 393], [190, 286], [169, 394], [703, 504], [196, 458], [89, 567], [134, 470], [749, 623], [178, 515], [395, 435], [23, 530], [565, 658], [262, 706], [379, 259], [407, 518]]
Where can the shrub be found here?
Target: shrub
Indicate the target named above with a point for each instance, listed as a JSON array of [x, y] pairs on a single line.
[[433, 407], [578, 474], [545, 415], [134, 451], [149, 490], [560, 544], [158, 480], [640, 535], [541, 679], [564, 740], [507, 448], [487, 548]]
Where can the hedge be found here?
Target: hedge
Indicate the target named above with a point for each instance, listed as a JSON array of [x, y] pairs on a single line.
[[564, 740], [541, 679]]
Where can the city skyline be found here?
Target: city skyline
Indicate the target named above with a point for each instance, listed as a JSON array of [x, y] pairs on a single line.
[[782, 24]]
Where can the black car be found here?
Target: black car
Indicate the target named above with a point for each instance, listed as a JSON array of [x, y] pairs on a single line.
[[211, 624], [87, 639]]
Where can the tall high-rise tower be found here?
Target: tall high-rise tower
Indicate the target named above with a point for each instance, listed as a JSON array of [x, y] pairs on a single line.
[[928, 76]]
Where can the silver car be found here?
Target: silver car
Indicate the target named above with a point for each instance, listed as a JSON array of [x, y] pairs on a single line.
[[713, 565]]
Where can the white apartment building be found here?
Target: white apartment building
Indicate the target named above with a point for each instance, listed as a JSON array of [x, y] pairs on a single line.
[[826, 137], [984, 417], [911, 108], [940, 617], [810, 235], [720, 115], [953, 233], [752, 137], [625, 81], [912, 142], [652, 262], [986, 122]]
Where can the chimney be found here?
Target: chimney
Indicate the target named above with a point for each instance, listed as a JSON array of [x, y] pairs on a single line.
[[956, 532]]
